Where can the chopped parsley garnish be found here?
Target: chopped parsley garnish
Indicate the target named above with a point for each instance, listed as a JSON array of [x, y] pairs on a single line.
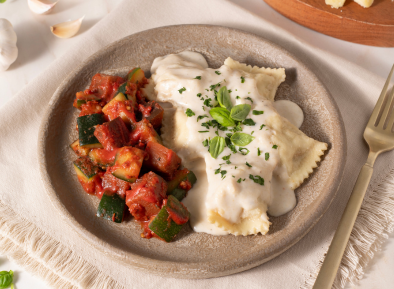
[[230, 145], [218, 72], [252, 132], [242, 79], [243, 151], [257, 112], [258, 151], [213, 86], [203, 108], [237, 97], [267, 156], [248, 98], [205, 143], [230, 91], [248, 165], [199, 94], [207, 102], [257, 179], [182, 90], [219, 171], [189, 112], [205, 124], [261, 127], [249, 122], [226, 158], [198, 77], [202, 131], [274, 146], [239, 180], [201, 117]]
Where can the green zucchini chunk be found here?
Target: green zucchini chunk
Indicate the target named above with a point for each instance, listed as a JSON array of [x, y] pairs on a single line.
[[80, 151], [122, 89], [136, 75], [128, 163], [86, 127], [102, 157], [180, 176], [111, 208], [85, 169]]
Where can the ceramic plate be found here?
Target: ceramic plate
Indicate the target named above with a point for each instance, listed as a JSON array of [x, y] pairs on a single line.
[[192, 255]]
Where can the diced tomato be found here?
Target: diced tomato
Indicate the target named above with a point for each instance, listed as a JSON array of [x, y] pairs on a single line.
[[105, 86], [112, 185], [122, 109], [113, 134], [146, 195], [153, 112], [161, 159], [144, 132], [90, 107]]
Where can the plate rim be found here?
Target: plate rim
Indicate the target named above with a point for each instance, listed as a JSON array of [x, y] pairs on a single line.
[[178, 270]]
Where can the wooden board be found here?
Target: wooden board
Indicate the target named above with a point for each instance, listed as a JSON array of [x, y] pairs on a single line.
[[371, 26]]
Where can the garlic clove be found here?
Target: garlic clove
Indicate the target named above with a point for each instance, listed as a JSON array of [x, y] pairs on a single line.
[[40, 7], [67, 29], [8, 48]]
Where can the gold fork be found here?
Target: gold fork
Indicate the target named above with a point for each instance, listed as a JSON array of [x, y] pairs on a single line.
[[380, 138]]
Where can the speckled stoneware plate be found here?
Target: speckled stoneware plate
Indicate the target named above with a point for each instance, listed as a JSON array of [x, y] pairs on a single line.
[[191, 255]]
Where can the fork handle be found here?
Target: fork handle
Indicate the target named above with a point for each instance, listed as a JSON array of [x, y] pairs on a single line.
[[330, 266]]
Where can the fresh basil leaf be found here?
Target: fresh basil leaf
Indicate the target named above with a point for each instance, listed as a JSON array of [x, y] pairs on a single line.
[[6, 278], [2, 1], [222, 116], [240, 111], [216, 146], [249, 122], [224, 98], [241, 139]]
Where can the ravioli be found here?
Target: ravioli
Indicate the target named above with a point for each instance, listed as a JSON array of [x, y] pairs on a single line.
[[240, 186]]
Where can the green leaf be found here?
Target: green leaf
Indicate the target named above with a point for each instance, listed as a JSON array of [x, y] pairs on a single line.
[[182, 90], [241, 139], [224, 98], [249, 122], [240, 111], [6, 278], [2, 1], [222, 116], [257, 179], [216, 146], [267, 156], [189, 112], [257, 112]]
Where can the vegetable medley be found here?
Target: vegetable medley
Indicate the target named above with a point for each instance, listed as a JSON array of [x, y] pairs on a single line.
[[122, 159]]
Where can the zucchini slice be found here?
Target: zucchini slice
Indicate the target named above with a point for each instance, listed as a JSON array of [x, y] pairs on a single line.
[[136, 75], [179, 192], [122, 89], [80, 151], [119, 106], [102, 157], [85, 169], [128, 163], [111, 208], [163, 225], [86, 127]]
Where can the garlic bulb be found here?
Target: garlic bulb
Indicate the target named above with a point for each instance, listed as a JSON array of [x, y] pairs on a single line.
[[40, 7], [8, 49], [67, 29]]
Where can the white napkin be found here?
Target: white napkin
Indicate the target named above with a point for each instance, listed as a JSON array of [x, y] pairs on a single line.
[[34, 235]]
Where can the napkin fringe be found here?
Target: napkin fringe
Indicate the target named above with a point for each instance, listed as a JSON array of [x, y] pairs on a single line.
[[41, 255], [373, 224]]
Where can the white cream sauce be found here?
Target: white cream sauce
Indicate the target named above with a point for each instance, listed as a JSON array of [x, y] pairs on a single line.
[[291, 111], [175, 81]]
